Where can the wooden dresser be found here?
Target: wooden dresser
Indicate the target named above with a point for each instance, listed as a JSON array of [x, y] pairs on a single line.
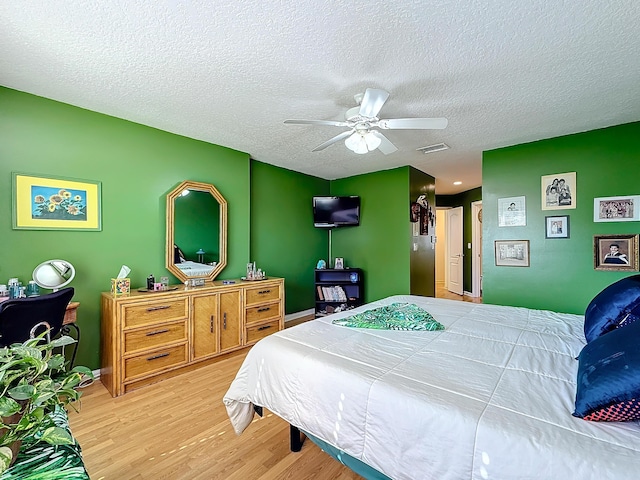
[[149, 336]]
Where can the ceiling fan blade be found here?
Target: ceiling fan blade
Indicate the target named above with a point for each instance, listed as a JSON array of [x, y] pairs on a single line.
[[385, 146], [318, 122], [333, 140], [414, 123], [372, 102]]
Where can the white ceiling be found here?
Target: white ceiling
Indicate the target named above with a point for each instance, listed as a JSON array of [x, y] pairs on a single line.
[[231, 71]]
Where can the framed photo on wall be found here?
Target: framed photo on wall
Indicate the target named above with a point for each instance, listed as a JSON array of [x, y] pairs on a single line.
[[616, 209], [512, 212], [557, 227], [55, 203], [615, 252], [512, 253], [559, 191]]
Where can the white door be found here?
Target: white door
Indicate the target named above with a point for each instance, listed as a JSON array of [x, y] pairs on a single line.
[[454, 250]]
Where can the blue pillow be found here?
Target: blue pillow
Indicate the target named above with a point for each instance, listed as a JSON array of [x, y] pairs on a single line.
[[616, 306], [608, 383]]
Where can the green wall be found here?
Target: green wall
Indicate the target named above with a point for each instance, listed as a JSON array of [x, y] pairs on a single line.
[[380, 245], [284, 241], [464, 200], [137, 166], [561, 276]]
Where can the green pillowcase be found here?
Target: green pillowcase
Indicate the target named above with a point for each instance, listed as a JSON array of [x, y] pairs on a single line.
[[396, 316]]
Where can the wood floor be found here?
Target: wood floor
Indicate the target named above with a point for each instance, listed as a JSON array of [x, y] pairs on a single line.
[[178, 429], [442, 292]]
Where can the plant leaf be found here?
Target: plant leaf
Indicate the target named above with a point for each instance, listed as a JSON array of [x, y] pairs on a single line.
[[6, 455], [57, 436], [22, 392], [8, 406]]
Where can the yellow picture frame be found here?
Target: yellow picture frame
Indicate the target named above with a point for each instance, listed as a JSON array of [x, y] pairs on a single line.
[[55, 203]]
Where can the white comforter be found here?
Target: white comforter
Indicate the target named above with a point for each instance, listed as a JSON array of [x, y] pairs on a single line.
[[490, 397]]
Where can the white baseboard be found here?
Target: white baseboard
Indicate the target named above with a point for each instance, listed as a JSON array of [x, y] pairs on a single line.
[[296, 315], [470, 294]]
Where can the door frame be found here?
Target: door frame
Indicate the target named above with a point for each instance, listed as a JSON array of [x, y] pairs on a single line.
[[448, 251], [476, 249]]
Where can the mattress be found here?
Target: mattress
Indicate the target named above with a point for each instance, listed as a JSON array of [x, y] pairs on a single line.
[[491, 396]]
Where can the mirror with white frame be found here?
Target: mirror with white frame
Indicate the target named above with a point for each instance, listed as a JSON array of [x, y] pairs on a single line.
[[196, 231]]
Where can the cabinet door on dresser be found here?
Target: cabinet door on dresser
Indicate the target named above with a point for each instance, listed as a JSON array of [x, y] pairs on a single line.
[[230, 320], [205, 325]]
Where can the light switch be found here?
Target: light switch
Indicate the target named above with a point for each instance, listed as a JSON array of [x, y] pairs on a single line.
[[415, 247], [469, 245]]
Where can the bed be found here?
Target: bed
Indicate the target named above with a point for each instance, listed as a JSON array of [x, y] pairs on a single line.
[[490, 396]]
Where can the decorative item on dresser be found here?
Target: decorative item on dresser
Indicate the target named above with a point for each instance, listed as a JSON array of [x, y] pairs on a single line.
[[149, 336]]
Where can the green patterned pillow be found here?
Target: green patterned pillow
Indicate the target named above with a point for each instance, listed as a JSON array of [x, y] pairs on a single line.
[[396, 316]]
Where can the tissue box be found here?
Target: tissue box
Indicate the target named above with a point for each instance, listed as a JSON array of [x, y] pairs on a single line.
[[120, 286]]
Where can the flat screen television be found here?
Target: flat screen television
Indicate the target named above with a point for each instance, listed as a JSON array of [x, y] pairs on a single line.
[[330, 212]]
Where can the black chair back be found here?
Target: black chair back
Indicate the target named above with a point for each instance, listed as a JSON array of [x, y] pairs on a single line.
[[24, 318]]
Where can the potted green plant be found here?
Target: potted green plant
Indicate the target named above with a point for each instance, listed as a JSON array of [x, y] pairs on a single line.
[[33, 383]]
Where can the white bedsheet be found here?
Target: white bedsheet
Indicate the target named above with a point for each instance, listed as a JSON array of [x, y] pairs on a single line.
[[490, 397], [195, 269]]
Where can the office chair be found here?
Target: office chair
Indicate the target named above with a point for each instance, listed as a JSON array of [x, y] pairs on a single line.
[[24, 318]]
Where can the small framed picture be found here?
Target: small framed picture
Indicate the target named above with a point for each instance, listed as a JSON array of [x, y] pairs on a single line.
[[512, 212], [557, 227], [615, 252], [339, 265], [559, 191], [617, 209], [512, 253]]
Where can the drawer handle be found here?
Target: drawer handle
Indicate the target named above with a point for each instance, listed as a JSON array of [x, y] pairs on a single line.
[[224, 323], [264, 309], [161, 307], [265, 327], [155, 357], [157, 332], [211, 324], [262, 292]]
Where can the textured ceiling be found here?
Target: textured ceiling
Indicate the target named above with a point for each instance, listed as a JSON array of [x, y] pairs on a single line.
[[230, 72]]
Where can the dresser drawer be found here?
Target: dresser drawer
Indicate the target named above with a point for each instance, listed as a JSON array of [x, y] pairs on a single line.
[[138, 314], [262, 294], [262, 312], [154, 336], [155, 361], [260, 331]]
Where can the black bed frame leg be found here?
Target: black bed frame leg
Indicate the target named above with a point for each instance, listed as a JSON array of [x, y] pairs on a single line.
[[296, 437]]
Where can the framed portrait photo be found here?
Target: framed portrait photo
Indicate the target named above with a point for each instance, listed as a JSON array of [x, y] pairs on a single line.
[[557, 227], [339, 265], [615, 252], [512, 212], [512, 253], [559, 191], [616, 209]]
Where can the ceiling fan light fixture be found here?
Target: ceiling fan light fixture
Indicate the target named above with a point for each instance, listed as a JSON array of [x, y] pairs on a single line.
[[372, 141], [356, 143]]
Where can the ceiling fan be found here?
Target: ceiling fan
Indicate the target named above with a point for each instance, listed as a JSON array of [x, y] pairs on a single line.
[[363, 119]]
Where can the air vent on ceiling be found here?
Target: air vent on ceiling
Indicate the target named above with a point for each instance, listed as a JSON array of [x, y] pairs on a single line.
[[434, 148]]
